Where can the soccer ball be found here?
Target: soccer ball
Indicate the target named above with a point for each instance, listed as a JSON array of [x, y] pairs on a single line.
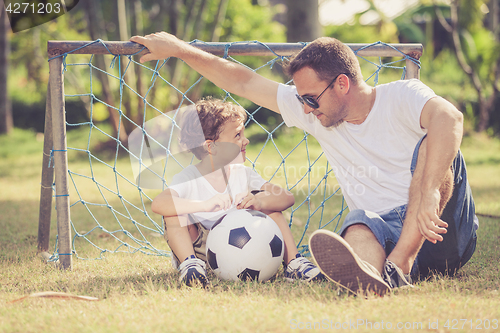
[[245, 245]]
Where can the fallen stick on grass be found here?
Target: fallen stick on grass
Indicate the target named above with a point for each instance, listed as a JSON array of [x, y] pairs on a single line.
[[53, 294]]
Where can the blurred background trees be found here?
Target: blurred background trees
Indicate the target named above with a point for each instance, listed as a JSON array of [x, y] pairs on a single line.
[[461, 46]]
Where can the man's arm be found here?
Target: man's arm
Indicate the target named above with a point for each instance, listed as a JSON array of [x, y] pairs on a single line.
[[444, 124], [225, 74]]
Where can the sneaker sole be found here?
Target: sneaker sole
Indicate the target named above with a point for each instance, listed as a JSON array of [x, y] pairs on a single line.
[[337, 261]]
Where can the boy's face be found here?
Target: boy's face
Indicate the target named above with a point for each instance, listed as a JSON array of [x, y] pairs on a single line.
[[234, 132]]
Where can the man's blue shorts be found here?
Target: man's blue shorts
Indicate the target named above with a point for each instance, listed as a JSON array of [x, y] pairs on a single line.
[[458, 243]]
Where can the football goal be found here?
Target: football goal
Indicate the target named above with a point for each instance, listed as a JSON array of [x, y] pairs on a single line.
[[111, 128]]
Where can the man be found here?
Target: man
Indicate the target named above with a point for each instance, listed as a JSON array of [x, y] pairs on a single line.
[[394, 149]]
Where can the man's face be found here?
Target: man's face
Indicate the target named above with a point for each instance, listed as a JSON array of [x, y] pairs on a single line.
[[331, 110]]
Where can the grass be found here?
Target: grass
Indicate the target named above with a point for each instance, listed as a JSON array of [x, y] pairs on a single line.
[[140, 292]]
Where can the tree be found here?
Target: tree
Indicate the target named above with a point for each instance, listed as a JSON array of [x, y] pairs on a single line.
[[303, 20], [95, 21], [483, 68], [6, 122]]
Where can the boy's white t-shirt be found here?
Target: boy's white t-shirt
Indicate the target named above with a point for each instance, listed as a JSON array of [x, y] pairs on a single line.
[[371, 160], [190, 184]]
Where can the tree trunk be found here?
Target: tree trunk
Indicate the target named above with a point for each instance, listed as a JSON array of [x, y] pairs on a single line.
[[302, 21], [219, 18], [197, 92], [138, 29], [452, 28], [173, 16], [127, 73], [97, 31], [6, 121]]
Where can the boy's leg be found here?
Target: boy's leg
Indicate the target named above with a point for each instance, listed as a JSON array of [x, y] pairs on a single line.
[[179, 236], [199, 237], [185, 240], [297, 267], [290, 246]]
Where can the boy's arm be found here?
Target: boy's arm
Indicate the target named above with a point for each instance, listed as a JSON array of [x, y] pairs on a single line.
[[225, 74], [271, 198], [168, 203]]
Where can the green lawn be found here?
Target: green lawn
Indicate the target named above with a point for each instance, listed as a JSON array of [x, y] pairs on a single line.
[[140, 292]]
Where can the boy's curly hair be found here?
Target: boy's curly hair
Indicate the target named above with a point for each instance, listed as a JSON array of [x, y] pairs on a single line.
[[211, 114]]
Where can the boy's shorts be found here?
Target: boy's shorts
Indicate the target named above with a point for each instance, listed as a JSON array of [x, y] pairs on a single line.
[[199, 244], [458, 243]]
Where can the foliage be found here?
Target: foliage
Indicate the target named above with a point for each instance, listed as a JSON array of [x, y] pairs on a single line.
[[246, 20], [440, 68], [29, 69]]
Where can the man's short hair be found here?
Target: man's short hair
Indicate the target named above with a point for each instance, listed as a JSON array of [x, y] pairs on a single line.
[[328, 57]]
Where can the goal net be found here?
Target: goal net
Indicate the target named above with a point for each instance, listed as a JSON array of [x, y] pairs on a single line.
[[110, 133]]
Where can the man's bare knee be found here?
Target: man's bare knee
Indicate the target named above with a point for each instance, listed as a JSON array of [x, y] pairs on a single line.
[[356, 229]]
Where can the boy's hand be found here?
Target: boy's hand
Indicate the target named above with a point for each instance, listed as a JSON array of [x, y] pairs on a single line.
[[251, 202], [218, 202], [239, 197]]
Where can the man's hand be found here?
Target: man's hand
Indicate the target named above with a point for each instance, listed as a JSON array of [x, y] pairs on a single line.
[[430, 225], [161, 45]]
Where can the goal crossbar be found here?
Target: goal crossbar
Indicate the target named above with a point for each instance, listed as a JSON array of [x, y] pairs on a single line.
[[56, 48]]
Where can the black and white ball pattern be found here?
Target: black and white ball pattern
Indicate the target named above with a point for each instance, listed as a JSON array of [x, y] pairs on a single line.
[[245, 244]]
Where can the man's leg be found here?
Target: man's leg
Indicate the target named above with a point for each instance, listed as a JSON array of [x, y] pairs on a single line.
[[365, 245], [354, 265], [411, 240], [459, 242]]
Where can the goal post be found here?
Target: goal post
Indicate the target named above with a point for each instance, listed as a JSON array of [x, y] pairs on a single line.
[[55, 146]]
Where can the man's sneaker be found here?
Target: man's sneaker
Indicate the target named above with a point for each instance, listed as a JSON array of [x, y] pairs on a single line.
[[341, 265], [193, 272], [394, 276], [302, 269]]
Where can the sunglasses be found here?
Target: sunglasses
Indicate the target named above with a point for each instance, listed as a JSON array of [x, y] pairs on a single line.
[[311, 101]]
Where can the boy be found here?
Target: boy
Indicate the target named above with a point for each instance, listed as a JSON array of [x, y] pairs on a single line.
[[202, 193]]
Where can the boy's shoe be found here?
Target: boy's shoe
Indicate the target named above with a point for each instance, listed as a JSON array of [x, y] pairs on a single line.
[[175, 262], [341, 265], [394, 276], [300, 268], [193, 272]]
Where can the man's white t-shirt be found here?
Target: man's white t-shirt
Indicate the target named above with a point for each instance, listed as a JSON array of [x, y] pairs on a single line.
[[190, 184], [372, 160]]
